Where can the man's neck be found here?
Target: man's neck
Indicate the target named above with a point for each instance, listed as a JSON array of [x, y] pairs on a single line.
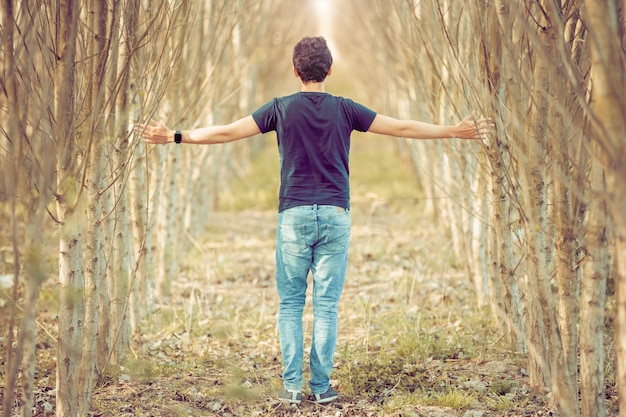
[[313, 87]]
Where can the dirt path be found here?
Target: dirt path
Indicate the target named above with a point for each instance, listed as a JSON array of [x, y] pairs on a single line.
[[411, 342]]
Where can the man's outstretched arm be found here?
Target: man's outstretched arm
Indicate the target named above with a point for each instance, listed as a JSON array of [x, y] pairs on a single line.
[[157, 133], [468, 128]]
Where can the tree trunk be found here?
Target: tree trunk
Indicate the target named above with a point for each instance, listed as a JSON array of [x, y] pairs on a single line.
[[106, 295], [606, 36], [152, 235], [143, 297], [592, 303], [10, 185], [104, 302], [34, 277], [562, 384], [564, 141], [172, 219], [94, 245], [167, 241], [71, 303], [121, 283], [538, 296], [497, 58], [124, 261]]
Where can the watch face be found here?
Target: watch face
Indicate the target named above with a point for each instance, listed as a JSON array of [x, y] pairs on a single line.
[[178, 137]]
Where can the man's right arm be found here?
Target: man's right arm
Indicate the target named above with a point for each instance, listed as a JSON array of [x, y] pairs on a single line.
[[157, 133]]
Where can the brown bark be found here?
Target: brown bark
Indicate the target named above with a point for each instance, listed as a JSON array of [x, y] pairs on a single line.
[[592, 303], [534, 176], [97, 57], [9, 182], [71, 306], [568, 220], [608, 75]]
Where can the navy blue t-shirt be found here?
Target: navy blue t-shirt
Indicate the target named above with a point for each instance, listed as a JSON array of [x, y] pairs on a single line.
[[313, 131]]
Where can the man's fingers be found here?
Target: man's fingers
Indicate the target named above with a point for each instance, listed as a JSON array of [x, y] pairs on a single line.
[[468, 118], [140, 127], [152, 132], [146, 130]]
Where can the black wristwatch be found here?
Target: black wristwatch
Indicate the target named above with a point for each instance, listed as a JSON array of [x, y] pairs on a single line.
[[178, 137]]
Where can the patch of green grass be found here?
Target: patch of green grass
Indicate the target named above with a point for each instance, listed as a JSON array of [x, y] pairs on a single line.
[[415, 346], [451, 397], [418, 337], [256, 187], [502, 403], [378, 170], [410, 359]]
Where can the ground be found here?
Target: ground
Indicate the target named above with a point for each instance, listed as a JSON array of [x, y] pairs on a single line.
[[412, 341]]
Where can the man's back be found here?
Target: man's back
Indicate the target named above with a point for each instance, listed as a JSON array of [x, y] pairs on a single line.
[[313, 130]]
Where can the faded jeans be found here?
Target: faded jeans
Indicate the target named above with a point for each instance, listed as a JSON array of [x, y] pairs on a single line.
[[310, 238]]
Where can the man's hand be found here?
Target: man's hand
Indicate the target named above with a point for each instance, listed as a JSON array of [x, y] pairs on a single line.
[[468, 128], [472, 128], [154, 132]]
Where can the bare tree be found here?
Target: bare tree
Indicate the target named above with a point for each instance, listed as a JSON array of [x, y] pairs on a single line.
[[71, 309], [605, 22], [27, 185], [592, 301], [532, 76], [97, 56]]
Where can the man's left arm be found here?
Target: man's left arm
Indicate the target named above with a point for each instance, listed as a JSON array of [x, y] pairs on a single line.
[[468, 128]]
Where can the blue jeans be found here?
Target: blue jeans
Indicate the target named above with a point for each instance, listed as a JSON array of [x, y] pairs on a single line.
[[310, 238]]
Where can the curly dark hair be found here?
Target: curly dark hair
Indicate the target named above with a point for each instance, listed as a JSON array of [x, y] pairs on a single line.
[[312, 59]]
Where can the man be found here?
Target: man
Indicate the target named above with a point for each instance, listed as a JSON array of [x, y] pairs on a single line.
[[313, 233]]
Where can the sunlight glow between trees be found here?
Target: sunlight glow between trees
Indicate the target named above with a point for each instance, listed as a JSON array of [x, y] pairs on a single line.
[[324, 10], [323, 7]]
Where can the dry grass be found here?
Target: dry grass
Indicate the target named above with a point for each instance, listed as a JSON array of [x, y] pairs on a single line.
[[411, 342]]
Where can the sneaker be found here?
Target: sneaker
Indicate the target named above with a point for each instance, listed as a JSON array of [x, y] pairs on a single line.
[[324, 398], [290, 396]]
